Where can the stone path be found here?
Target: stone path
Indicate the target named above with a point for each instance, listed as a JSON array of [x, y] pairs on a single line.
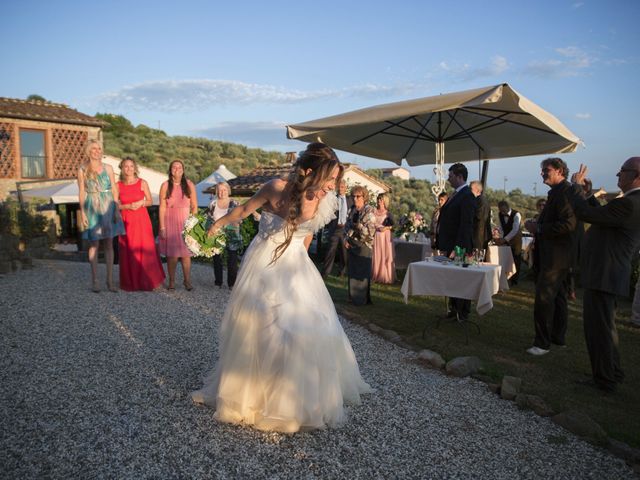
[[96, 386]]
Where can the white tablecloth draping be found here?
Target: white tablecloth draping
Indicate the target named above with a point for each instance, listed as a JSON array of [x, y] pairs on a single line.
[[409, 252], [526, 250], [501, 255], [476, 283]]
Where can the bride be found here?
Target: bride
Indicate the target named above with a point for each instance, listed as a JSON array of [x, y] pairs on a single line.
[[285, 363]]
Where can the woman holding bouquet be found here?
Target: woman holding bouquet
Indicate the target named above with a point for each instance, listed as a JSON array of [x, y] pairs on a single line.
[[140, 266], [177, 200], [285, 363], [384, 268]]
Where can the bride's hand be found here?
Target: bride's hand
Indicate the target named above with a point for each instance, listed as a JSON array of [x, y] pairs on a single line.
[[212, 230]]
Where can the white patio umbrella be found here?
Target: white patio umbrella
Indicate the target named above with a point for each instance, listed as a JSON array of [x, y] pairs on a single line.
[[480, 124], [222, 174]]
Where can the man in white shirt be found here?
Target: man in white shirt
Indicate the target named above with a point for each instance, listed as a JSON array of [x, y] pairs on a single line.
[[336, 234], [511, 235]]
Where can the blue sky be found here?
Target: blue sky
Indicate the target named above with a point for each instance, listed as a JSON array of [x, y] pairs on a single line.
[[239, 71]]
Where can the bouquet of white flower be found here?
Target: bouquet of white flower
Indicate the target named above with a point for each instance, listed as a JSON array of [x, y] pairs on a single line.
[[196, 238]]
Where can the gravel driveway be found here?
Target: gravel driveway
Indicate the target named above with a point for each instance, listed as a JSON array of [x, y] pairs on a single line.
[[96, 386]]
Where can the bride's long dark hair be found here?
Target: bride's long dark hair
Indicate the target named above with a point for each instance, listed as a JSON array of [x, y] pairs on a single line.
[[322, 160]]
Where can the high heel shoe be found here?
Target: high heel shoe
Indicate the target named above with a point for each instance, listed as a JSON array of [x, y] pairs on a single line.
[[95, 288], [112, 288], [187, 286]]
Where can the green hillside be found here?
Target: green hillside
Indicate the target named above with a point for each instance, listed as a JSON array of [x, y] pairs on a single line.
[[155, 149]]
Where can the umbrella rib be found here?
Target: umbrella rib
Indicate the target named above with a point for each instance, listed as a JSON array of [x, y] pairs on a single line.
[[415, 139], [373, 134], [545, 130], [465, 130], [481, 126], [494, 110], [417, 135]]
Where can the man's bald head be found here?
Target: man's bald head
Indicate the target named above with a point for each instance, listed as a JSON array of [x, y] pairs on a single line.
[[629, 174]]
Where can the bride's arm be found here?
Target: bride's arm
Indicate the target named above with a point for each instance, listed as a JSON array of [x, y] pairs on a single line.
[[307, 240], [240, 212]]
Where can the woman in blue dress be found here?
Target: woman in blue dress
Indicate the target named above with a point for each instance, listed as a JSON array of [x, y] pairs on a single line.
[[99, 214]]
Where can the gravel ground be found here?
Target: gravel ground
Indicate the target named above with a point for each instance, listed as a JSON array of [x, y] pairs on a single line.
[[97, 385]]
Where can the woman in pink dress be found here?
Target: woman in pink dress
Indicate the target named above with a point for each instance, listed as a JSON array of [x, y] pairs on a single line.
[[384, 268], [140, 266], [177, 200]]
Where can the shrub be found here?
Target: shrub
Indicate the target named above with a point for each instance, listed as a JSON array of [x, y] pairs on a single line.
[[24, 222]]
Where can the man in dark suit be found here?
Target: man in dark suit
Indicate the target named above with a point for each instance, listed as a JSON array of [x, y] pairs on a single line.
[[455, 228], [337, 234], [482, 218], [605, 268], [552, 257]]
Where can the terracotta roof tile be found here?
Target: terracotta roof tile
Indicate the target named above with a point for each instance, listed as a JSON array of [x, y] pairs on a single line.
[[251, 182], [45, 112]]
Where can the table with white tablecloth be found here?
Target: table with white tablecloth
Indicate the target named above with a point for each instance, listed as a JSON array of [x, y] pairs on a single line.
[[477, 283], [409, 252], [527, 243], [502, 255]]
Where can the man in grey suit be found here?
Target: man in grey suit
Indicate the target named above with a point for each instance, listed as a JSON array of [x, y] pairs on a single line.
[[605, 268]]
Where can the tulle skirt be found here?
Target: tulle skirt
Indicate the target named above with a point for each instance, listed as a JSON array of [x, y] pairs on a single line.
[[285, 363]]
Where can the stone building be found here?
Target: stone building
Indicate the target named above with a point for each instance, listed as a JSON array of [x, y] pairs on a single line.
[[399, 172], [41, 142]]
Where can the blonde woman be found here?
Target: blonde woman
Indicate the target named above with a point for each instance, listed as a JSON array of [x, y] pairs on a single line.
[[285, 363], [99, 215], [218, 208]]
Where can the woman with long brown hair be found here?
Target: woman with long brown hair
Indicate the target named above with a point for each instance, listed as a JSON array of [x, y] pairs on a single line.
[[285, 363], [177, 199], [99, 215]]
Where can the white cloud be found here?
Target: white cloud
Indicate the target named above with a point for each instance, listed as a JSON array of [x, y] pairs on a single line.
[[198, 95], [252, 134], [583, 116], [497, 66], [573, 62], [577, 5]]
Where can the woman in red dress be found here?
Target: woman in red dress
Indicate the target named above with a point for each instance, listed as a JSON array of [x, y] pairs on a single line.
[[140, 266]]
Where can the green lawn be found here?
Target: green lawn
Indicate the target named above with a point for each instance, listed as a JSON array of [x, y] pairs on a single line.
[[506, 332]]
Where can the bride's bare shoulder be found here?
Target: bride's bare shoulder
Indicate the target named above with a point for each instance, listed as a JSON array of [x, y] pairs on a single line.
[[274, 193], [276, 185]]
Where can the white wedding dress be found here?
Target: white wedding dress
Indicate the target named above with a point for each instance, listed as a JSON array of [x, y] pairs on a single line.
[[285, 363]]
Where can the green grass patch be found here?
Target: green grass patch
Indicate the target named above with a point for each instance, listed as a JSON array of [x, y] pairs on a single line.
[[506, 332]]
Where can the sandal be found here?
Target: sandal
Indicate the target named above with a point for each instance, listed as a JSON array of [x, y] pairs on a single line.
[[187, 286], [170, 287], [112, 288], [95, 288]]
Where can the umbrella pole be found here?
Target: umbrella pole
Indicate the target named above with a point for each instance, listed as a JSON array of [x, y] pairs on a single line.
[[438, 170], [485, 171]]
